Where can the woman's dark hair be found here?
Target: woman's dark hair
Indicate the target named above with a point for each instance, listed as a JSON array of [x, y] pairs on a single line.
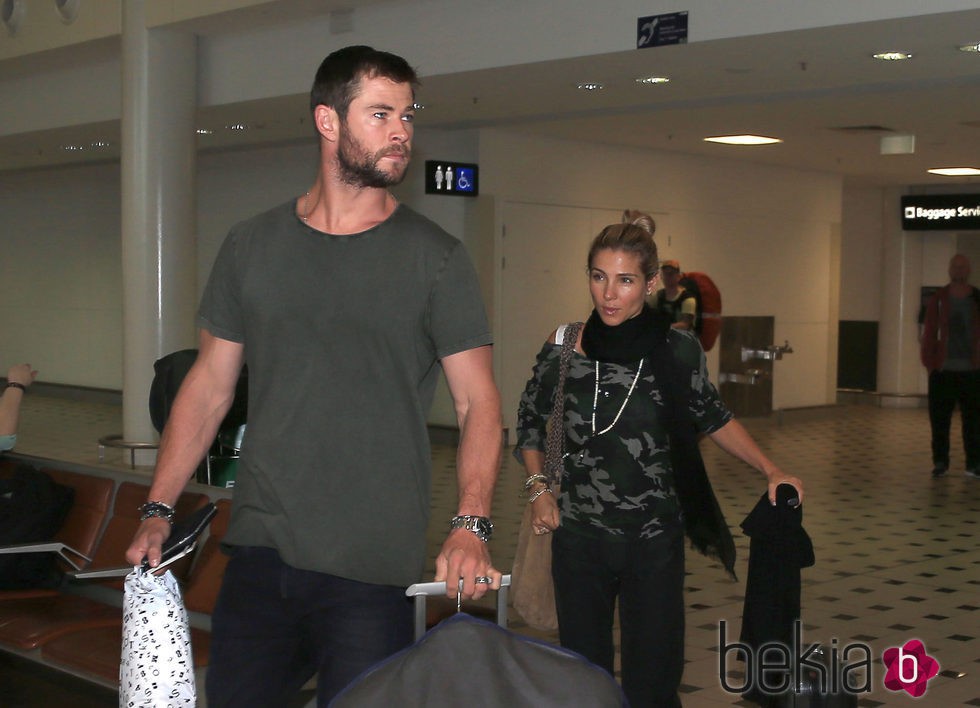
[[338, 78], [633, 235]]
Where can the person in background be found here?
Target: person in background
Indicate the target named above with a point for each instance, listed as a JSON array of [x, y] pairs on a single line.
[[679, 304], [950, 351], [633, 386], [347, 306], [19, 379]]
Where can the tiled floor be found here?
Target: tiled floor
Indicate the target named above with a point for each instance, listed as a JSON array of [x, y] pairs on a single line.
[[897, 552]]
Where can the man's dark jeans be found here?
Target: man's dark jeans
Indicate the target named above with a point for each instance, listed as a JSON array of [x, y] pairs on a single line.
[[946, 390], [275, 626]]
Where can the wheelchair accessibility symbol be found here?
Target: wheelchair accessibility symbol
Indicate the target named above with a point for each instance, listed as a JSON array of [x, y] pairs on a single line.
[[464, 179]]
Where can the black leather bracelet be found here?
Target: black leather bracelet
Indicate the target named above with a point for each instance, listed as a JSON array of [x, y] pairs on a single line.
[[158, 509], [16, 384]]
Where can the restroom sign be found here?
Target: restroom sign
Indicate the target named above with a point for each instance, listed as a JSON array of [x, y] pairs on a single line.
[[458, 179]]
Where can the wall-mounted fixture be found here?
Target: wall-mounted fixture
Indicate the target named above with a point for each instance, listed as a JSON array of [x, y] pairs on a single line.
[[773, 352]]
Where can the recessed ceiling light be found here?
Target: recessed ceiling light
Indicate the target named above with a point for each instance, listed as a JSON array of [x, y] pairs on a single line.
[[590, 86], [418, 106], [892, 56], [653, 80], [970, 47], [237, 126], [743, 140], [205, 131], [100, 144], [72, 148], [955, 171]]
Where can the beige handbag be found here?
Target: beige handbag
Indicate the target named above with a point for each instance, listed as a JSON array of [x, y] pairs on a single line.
[[532, 589]]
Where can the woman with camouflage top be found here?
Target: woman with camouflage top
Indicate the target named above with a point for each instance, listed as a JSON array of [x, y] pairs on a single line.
[[618, 525]]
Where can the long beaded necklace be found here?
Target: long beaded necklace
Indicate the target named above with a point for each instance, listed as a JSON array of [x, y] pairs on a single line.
[[595, 399]]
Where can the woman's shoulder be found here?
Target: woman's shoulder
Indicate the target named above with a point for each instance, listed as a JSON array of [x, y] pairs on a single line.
[[559, 334], [685, 345]]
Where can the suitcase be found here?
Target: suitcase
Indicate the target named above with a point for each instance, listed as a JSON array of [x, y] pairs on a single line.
[[467, 661], [809, 693]]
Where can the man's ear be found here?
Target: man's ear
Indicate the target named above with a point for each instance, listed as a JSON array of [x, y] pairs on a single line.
[[327, 121]]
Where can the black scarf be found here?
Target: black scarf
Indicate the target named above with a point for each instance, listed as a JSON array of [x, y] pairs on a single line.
[[625, 343], [646, 336]]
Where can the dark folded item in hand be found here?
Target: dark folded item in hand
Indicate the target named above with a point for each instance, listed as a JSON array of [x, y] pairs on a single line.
[[184, 535]]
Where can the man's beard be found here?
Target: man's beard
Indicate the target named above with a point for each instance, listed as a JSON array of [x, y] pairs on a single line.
[[359, 168]]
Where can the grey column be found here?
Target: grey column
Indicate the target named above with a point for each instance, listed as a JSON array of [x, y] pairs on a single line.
[[159, 260]]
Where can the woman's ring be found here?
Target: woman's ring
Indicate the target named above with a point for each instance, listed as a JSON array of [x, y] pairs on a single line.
[[483, 579]]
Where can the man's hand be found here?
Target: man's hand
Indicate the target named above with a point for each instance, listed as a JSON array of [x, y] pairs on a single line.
[[465, 556], [148, 541]]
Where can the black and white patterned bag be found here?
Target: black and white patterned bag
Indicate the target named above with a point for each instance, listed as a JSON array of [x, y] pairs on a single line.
[[157, 667]]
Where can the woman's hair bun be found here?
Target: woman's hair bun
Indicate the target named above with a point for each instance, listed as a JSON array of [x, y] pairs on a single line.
[[638, 218]]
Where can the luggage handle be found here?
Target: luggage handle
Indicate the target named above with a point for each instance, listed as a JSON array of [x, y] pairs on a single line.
[[420, 591]]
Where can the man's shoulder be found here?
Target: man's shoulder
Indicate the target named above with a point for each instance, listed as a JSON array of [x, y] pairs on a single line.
[[273, 217], [411, 223]]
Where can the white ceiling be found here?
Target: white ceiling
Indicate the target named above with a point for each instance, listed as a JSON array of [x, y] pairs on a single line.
[[819, 90]]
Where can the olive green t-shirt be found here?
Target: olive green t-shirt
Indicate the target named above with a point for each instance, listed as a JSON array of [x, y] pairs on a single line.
[[342, 338]]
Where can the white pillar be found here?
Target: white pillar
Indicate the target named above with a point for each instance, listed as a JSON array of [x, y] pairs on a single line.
[[159, 68], [898, 335]]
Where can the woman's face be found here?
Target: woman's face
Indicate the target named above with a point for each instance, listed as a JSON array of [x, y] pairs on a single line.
[[618, 286]]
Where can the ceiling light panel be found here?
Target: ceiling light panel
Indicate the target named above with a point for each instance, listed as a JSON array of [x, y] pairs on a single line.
[[743, 140], [892, 56], [955, 171]]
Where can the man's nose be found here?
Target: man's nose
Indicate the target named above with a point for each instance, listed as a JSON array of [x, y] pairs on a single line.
[[399, 133]]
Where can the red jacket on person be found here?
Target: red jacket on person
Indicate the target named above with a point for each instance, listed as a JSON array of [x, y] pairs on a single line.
[[935, 330]]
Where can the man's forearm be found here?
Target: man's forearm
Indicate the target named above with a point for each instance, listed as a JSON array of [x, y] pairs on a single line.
[[478, 456], [186, 439]]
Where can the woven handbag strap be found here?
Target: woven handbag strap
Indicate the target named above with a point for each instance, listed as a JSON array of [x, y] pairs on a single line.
[[554, 444]]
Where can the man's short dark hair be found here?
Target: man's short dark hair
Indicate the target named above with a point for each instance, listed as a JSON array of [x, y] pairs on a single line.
[[337, 80]]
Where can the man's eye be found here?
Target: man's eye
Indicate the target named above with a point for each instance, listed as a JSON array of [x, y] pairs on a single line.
[[409, 118]]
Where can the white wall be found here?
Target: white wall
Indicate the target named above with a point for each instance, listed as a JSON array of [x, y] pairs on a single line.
[[861, 268], [767, 236], [60, 281]]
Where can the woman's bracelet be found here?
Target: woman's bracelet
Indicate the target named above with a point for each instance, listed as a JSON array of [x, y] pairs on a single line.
[[529, 482], [538, 493], [16, 384]]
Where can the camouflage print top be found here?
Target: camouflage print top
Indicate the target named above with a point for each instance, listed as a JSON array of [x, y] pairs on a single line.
[[619, 482]]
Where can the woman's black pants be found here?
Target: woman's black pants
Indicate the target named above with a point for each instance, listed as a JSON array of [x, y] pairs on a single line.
[[647, 576]]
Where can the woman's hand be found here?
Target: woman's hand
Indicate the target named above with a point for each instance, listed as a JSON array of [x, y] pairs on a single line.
[[776, 477], [544, 513]]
